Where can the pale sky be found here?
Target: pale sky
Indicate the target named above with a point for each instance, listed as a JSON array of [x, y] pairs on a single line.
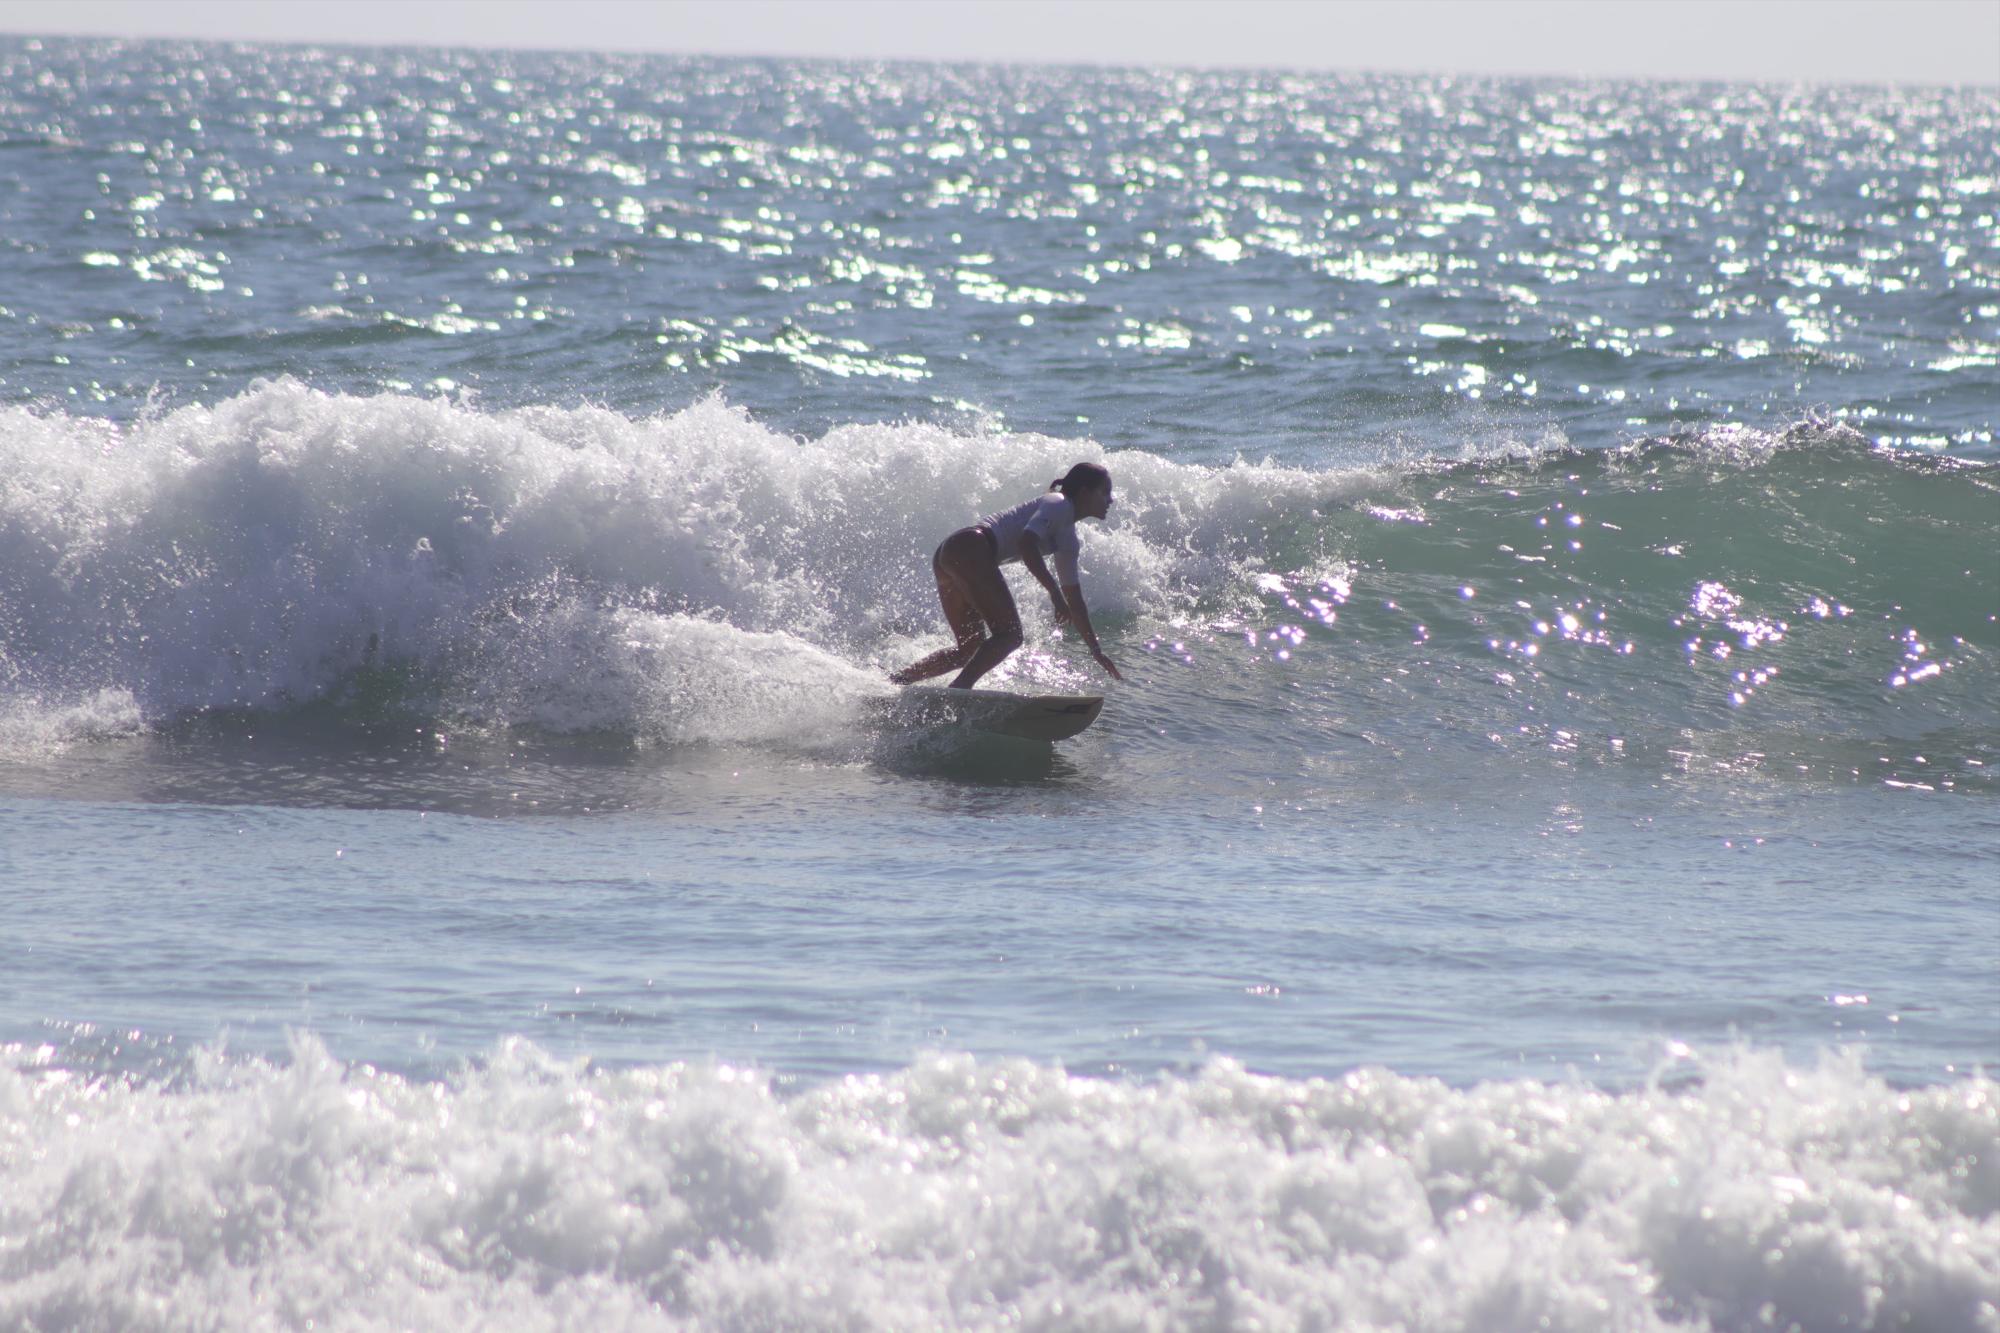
[[1836, 41]]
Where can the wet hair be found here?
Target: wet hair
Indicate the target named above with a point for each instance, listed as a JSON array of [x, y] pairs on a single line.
[[1082, 477]]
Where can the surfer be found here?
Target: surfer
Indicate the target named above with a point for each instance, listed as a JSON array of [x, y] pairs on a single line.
[[974, 591]]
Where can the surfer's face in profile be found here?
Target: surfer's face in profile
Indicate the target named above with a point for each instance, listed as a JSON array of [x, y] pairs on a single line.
[[1094, 502]]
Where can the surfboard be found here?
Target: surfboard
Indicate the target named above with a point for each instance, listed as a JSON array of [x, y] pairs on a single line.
[[1029, 717]]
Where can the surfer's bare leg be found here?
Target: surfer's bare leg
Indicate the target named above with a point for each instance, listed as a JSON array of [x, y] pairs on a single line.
[[982, 581], [974, 595], [939, 662], [991, 654], [966, 627]]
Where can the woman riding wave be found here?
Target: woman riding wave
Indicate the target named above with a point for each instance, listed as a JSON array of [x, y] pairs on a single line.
[[974, 591]]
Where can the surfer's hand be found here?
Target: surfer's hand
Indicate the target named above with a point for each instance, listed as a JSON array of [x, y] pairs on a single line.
[[1062, 611], [1110, 666]]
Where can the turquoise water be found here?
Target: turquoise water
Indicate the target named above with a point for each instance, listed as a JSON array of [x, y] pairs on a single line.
[[457, 515]]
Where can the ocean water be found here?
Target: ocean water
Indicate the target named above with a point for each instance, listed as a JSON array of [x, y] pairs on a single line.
[[457, 513]]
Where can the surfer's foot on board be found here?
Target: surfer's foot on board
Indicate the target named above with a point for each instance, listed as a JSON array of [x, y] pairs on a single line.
[[971, 660]]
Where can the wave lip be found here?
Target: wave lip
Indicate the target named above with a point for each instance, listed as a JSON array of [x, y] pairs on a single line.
[[966, 1193], [266, 552], [669, 577]]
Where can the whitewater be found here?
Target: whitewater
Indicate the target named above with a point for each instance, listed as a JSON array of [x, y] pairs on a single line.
[[1002, 1194], [457, 515]]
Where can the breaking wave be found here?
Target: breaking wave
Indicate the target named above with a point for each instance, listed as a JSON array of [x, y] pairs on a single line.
[[699, 576]]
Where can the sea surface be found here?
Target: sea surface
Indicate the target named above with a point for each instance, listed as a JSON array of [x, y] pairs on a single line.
[[457, 514]]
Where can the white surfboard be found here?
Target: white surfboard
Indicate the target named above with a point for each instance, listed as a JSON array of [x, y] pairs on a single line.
[[1031, 717]]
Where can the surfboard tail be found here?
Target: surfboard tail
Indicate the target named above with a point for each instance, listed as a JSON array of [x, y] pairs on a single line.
[[1043, 717]]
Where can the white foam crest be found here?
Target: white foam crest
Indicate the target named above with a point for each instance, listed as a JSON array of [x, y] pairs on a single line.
[[960, 1193], [260, 551], [574, 667], [32, 728]]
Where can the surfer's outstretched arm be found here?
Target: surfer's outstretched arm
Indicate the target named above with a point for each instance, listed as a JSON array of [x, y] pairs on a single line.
[[1032, 560], [1079, 616]]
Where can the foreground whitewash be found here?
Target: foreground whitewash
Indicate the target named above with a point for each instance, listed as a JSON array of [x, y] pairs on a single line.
[[958, 1193]]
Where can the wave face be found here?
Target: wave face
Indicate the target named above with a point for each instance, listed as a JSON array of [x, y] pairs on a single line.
[[955, 1193], [1791, 596], [697, 577]]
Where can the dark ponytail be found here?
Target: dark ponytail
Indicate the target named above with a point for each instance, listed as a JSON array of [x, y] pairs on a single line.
[[1082, 477]]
